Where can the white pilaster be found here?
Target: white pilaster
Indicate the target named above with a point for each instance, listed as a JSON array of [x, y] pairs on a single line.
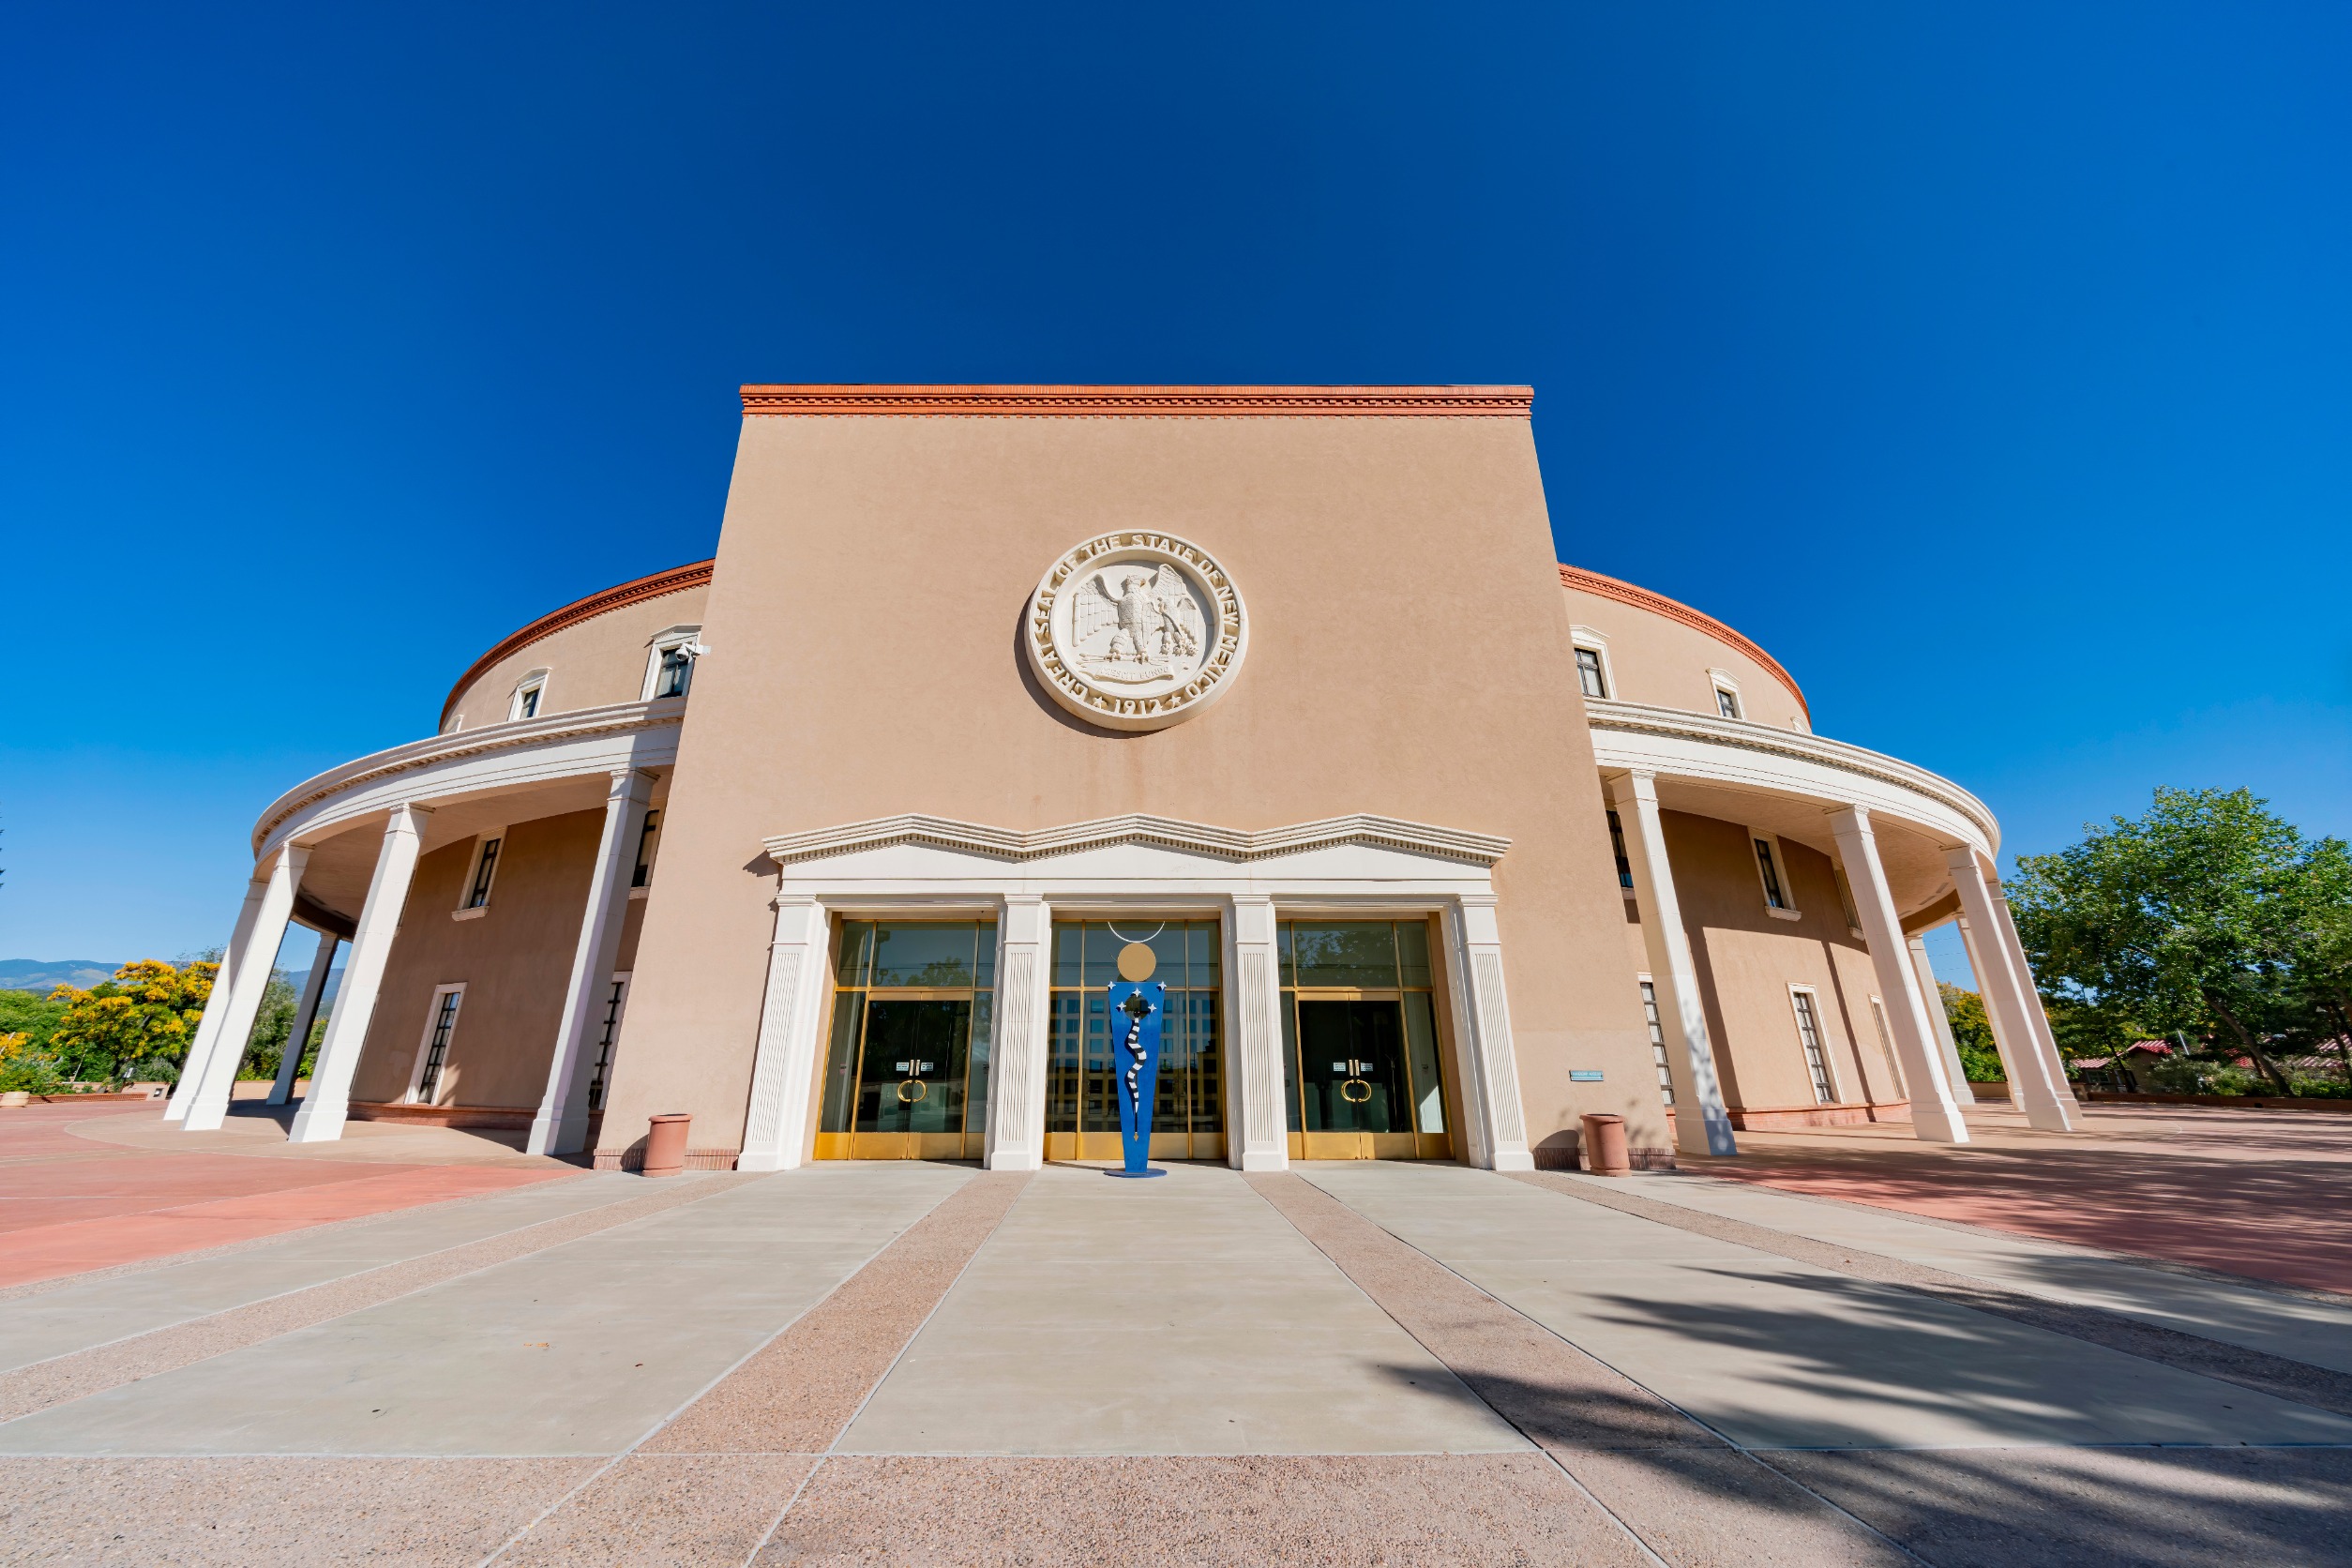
[[306, 1014], [1673, 972], [1024, 1024], [1935, 1115], [561, 1127], [1947, 1047], [1262, 1119], [217, 1003], [1492, 1069], [209, 1106], [325, 1107], [784, 1065], [2029, 1053]]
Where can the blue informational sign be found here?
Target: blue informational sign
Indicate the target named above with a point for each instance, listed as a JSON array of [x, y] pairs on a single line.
[[1137, 1008]]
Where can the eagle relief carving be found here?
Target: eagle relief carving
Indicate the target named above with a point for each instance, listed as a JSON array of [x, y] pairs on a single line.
[[1136, 630]]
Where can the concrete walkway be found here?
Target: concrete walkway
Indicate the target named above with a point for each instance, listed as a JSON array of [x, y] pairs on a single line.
[[1367, 1364]]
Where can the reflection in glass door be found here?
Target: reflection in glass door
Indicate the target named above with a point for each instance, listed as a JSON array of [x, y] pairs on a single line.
[[1359, 1019], [907, 1068]]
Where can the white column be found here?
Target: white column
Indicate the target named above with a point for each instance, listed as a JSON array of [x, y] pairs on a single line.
[[1673, 972], [323, 1108], [2030, 1051], [1492, 1069], [1024, 1024], [217, 1003], [561, 1127], [1947, 1047], [784, 1064], [209, 1106], [2006, 1028], [1261, 1121], [1935, 1115], [306, 1014]]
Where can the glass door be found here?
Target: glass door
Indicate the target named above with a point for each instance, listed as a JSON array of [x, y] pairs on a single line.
[[1362, 1077], [907, 1068], [1081, 1078]]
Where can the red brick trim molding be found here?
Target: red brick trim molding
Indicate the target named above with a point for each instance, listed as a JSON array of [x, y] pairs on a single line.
[[675, 580], [1658, 604], [633, 1158], [1199, 402], [1797, 1117]]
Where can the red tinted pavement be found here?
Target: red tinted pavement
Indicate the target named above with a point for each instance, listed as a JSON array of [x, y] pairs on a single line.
[[68, 1203], [2255, 1193]]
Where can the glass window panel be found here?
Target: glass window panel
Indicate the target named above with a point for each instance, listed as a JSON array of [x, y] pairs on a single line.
[[1282, 952], [849, 1012], [1069, 948], [857, 947], [1064, 1062], [1206, 953], [984, 960], [1098, 1112], [1291, 1055], [1167, 948], [1102, 953], [1208, 1062], [976, 1095], [1413, 952], [1421, 1038], [923, 955], [1346, 953]]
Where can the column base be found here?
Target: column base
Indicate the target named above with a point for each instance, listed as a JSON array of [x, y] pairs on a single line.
[[765, 1160], [1514, 1159], [1265, 1159], [1935, 1126], [1709, 1135], [319, 1125], [2049, 1119], [1015, 1159]]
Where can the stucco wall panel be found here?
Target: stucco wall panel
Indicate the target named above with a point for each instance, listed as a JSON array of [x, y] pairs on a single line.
[[589, 664], [515, 961], [1409, 657], [1657, 661]]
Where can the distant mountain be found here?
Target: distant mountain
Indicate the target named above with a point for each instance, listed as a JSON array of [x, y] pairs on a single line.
[[39, 974]]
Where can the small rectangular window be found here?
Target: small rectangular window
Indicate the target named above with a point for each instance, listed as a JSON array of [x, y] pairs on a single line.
[[437, 1046], [1773, 896], [1589, 673], [1886, 1043], [676, 674], [1726, 702], [527, 703], [1657, 1041], [1617, 847], [485, 870], [648, 840], [1816, 1061]]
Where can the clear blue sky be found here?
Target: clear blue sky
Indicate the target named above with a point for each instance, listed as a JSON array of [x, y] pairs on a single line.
[[1991, 364]]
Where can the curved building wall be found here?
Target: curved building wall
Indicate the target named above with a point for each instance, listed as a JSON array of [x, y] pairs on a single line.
[[1659, 652], [599, 658]]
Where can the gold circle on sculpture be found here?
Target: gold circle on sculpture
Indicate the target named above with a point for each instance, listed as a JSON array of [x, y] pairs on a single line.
[[1137, 961]]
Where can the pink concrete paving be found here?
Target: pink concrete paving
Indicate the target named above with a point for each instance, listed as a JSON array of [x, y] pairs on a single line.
[[70, 1202], [2254, 1193]]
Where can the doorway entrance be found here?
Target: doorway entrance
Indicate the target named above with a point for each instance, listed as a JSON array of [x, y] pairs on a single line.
[[1361, 1058], [1082, 1078], [907, 1067]]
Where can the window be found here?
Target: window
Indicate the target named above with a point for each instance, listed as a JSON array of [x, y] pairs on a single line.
[[1588, 674], [1846, 901], [1617, 847], [1886, 1043], [478, 887], [1657, 1041], [1809, 1034], [607, 1032], [1774, 896], [670, 661], [648, 842], [530, 695], [1726, 702], [432, 1054]]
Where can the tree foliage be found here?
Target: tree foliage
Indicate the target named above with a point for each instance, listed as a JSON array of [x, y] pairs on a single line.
[[1972, 1031], [2208, 916], [136, 1026]]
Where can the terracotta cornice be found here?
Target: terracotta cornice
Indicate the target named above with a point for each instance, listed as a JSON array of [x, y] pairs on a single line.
[[1130, 403], [1658, 604], [676, 579]]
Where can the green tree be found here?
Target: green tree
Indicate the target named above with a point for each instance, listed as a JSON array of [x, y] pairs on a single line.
[[266, 1045], [136, 1025], [2322, 940], [33, 1017], [2183, 919], [1972, 1031]]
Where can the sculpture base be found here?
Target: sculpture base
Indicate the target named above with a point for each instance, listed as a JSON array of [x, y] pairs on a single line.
[[1146, 1172]]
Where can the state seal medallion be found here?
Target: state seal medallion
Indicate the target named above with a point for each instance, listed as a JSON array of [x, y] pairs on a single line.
[[1136, 630]]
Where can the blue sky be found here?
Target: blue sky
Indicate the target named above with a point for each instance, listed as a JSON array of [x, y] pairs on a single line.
[[1991, 364]]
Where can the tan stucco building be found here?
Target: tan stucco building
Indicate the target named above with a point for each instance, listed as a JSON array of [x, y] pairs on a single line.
[[833, 841]]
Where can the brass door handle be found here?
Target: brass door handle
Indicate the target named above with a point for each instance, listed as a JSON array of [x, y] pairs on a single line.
[[1352, 1098], [922, 1091]]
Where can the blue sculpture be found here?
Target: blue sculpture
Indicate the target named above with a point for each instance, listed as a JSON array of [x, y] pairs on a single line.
[[1137, 1008]]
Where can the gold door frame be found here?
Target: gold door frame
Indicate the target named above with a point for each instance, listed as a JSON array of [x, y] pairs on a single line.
[[1307, 1145], [854, 1145], [1064, 1148]]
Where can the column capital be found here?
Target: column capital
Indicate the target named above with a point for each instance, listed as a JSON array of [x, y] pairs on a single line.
[[1639, 785], [1854, 819]]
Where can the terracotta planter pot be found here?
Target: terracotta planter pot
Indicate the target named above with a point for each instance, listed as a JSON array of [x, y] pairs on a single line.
[[666, 1144], [1604, 1146]]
